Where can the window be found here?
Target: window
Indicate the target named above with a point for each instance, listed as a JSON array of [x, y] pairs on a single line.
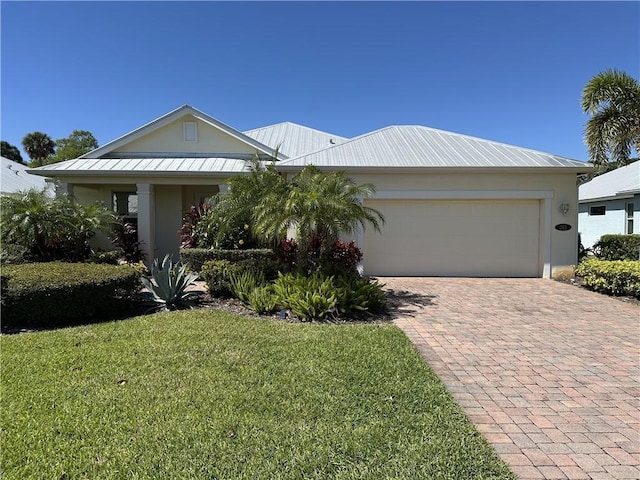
[[629, 218], [125, 204], [599, 210], [190, 131]]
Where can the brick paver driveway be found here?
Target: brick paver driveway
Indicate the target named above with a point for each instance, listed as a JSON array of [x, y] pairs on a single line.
[[548, 372]]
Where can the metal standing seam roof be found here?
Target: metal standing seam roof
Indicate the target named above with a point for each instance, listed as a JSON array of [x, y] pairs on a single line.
[[619, 182], [417, 146], [15, 178], [132, 166], [292, 139]]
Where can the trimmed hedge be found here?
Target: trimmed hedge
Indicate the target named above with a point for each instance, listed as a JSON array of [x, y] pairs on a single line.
[[613, 277], [55, 293], [196, 257], [618, 247]]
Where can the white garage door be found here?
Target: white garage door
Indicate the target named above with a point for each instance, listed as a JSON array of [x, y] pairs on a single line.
[[476, 238]]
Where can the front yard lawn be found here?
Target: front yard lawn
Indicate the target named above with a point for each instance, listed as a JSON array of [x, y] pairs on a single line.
[[203, 394]]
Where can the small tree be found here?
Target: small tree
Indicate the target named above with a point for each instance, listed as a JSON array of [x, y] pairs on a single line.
[[10, 151], [73, 146]]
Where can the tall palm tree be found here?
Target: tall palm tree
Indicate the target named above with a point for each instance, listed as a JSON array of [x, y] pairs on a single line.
[[612, 98], [38, 146]]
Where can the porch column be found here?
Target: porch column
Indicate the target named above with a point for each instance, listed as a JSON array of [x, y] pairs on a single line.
[[147, 220]]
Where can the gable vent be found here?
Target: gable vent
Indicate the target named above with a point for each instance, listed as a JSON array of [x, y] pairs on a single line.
[[190, 131]]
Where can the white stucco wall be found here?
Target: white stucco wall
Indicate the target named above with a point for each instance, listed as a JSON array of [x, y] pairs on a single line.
[[592, 227], [168, 220], [561, 185]]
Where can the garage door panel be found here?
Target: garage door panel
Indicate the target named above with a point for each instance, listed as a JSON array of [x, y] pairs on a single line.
[[455, 237]]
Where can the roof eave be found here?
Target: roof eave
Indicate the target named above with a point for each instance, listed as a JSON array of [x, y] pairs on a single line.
[[436, 169]]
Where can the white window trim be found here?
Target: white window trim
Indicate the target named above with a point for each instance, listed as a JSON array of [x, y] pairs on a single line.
[[596, 206], [629, 217]]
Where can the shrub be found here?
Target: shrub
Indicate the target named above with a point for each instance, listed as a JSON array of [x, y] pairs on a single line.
[[12, 254], [338, 259], [613, 277], [618, 247], [308, 297], [214, 230], [263, 300], [125, 236], [244, 283], [168, 284], [52, 294], [287, 253], [109, 257], [51, 228], [359, 294], [196, 257], [341, 258], [189, 235], [217, 275]]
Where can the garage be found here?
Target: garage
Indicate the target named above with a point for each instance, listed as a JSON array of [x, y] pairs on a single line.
[[473, 238]]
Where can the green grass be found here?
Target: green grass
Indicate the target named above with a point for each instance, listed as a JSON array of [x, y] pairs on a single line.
[[200, 394]]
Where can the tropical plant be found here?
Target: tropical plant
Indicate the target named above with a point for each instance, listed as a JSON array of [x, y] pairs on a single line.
[[189, 235], [244, 283], [316, 204], [51, 228], [232, 217], [10, 151], [311, 297], [612, 98], [217, 275], [38, 146], [263, 300], [124, 235], [359, 294], [168, 283]]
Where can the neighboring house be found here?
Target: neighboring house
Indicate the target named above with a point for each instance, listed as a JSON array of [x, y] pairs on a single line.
[[610, 203], [15, 178], [455, 205]]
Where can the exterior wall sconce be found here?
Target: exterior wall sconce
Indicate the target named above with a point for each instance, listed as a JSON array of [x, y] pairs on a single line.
[[564, 207]]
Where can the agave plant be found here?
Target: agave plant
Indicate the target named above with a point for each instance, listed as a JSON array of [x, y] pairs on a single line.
[[168, 284]]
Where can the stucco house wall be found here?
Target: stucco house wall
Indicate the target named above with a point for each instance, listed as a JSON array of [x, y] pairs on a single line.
[[614, 221], [550, 189], [614, 190]]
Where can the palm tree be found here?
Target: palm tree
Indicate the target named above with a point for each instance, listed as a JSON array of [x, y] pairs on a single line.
[[612, 98], [51, 228], [38, 146], [247, 194], [316, 204]]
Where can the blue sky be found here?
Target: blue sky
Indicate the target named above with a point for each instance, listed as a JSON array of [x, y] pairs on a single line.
[[506, 71]]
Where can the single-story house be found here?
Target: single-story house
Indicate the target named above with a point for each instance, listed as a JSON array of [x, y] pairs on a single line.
[[14, 178], [455, 205], [610, 203]]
